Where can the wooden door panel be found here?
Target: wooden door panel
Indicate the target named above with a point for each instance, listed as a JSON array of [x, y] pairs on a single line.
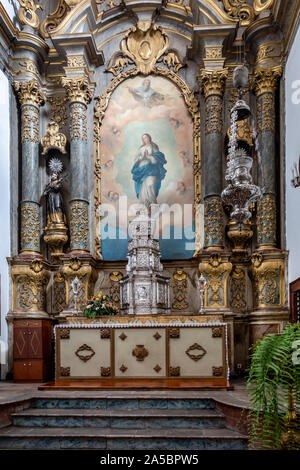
[[32, 350], [20, 343], [35, 370], [20, 370], [34, 343]]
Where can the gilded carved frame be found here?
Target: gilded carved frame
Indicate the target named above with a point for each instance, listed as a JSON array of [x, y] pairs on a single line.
[[100, 109]]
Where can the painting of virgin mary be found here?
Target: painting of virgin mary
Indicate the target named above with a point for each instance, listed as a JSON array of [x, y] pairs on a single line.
[[148, 171], [146, 126]]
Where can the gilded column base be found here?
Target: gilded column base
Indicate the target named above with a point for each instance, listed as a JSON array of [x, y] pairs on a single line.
[[267, 248], [27, 315], [56, 237], [30, 278], [270, 312], [216, 269], [213, 248], [82, 267], [268, 274]]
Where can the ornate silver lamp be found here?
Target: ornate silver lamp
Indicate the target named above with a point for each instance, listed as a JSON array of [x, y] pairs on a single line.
[[201, 284], [240, 192], [75, 284]]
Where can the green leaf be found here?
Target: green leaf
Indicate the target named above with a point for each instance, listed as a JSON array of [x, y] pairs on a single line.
[[272, 375]]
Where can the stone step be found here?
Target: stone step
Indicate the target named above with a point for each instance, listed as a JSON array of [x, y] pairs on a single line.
[[125, 403], [121, 439], [120, 419]]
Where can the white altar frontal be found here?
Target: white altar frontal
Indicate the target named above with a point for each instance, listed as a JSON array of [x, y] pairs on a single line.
[[188, 350]]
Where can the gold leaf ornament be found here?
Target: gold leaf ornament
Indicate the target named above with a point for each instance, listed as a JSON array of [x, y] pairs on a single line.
[[53, 139], [27, 13], [259, 5], [144, 45]]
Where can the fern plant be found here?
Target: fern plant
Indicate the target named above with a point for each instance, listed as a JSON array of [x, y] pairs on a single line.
[[274, 390]]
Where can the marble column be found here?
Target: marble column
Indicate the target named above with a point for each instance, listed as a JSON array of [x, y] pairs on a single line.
[[212, 82], [268, 264], [31, 98], [79, 95], [265, 84]]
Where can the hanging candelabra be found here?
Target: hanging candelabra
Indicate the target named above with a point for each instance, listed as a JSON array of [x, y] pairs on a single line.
[[240, 191]]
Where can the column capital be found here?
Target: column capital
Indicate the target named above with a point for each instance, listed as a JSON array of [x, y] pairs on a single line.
[[265, 79], [29, 93], [78, 89], [212, 82]]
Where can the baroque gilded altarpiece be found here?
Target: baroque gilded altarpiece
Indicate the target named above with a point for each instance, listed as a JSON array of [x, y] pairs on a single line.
[[67, 65]]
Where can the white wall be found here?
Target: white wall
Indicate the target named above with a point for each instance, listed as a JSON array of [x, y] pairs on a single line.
[[4, 213], [292, 156], [11, 6]]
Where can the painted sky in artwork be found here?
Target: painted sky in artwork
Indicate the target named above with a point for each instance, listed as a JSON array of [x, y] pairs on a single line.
[[154, 106]]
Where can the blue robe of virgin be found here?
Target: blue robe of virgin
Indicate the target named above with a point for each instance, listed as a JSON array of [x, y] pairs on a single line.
[[139, 174]]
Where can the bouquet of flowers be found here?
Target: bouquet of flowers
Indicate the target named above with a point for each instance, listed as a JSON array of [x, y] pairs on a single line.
[[100, 305]]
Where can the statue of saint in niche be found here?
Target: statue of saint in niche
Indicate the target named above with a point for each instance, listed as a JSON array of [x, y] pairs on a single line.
[[55, 207], [148, 171]]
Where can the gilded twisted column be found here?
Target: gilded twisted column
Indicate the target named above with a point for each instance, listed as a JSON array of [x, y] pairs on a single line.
[[31, 98], [265, 84], [212, 83], [79, 95]]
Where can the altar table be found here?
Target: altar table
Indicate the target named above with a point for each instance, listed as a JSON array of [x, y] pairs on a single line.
[[148, 348]]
